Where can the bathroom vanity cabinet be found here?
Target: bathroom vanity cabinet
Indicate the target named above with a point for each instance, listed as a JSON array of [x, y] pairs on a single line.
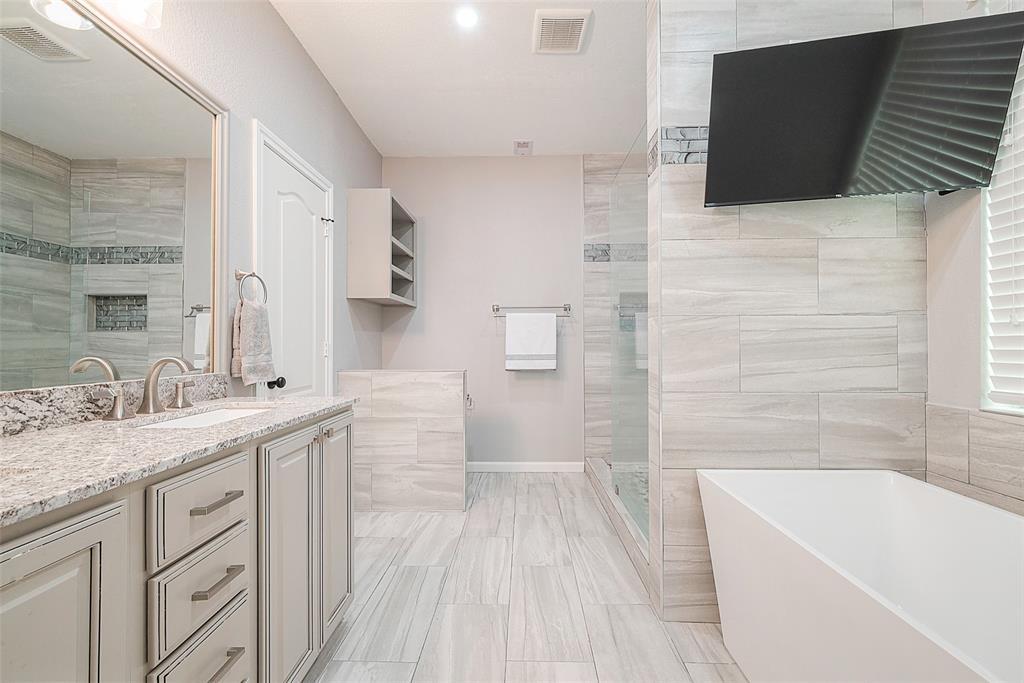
[[236, 566]]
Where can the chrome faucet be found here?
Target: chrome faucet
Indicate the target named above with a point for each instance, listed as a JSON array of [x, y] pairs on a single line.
[[119, 410], [151, 389]]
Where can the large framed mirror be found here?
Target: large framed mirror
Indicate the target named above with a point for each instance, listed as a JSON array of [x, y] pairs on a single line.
[[110, 177]]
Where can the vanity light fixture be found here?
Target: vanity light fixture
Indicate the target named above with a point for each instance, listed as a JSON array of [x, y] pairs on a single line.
[[62, 14], [466, 17], [144, 13]]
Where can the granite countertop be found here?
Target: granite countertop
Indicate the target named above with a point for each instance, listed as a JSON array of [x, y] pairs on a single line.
[[48, 469]]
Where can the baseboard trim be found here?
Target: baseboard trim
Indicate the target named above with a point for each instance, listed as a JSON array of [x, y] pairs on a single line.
[[536, 466]]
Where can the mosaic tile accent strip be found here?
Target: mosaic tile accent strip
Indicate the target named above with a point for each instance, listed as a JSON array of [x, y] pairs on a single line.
[[29, 247], [26, 410], [19, 245], [120, 313], [602, 252], [684, 145]]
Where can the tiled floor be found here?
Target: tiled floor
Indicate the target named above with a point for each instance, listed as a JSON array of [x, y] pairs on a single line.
[[530, 585]]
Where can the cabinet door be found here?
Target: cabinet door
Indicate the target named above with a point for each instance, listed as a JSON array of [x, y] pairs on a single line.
[[62, 601], [335, 523], [288, 575]]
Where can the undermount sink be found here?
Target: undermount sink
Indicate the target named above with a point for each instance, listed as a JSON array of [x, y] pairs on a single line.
[[213, 417]]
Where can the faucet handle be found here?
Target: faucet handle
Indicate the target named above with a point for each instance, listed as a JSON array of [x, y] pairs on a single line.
[[180, 400]]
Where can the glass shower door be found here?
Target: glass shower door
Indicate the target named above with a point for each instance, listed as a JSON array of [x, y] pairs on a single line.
[[628, 289]]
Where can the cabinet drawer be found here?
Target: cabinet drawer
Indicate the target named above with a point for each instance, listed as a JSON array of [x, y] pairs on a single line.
[[184, 596], [190, 509], [220, 652]]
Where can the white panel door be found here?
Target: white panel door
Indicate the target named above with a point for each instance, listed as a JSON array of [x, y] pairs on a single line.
[[293, 257]]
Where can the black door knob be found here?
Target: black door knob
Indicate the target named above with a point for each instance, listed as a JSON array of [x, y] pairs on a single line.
[[277, 383]]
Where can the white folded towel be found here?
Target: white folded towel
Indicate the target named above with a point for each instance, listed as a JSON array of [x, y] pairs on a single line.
[[251, 355], [530, 341], [201, 340], [640, 341]]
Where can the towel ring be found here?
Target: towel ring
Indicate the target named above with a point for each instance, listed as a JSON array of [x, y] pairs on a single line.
[[242, 276]]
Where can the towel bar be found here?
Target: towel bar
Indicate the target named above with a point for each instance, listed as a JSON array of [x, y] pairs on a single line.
[[566, 309]]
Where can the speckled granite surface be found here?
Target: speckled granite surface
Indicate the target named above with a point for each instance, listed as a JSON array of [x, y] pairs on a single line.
[[48, 469], [31, 409]]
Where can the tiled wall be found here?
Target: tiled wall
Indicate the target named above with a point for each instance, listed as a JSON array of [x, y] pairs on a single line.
[[409, 439], [72, 229], [786, 335], [35, 271], [980, 455]]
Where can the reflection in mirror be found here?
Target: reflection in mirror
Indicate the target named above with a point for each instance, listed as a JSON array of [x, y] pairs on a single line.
[[105, 206]]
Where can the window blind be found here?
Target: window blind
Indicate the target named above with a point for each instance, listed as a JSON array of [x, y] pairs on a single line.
[[1004, 263]]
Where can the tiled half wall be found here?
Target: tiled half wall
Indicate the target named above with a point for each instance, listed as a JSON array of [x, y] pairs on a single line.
[[408, 440]]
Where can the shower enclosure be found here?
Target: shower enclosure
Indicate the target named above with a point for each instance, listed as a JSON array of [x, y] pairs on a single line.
[[627, 227]]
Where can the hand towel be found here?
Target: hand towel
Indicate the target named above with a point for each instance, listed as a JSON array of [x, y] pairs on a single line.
[[254, 344], [530, 341], [201, 340], [640, 341], [236, 341]]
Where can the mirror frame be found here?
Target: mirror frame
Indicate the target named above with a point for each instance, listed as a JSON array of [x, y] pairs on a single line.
[[91, 10]]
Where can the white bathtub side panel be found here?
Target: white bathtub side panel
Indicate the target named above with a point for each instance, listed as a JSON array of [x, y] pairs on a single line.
[[787, 616]]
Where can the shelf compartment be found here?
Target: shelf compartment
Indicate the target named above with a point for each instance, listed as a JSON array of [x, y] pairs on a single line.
[[398, 248], [398, 273]]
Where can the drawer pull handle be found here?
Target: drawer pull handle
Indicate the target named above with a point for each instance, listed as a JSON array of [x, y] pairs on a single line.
[[232, 572], [233, 655], [204, 510]]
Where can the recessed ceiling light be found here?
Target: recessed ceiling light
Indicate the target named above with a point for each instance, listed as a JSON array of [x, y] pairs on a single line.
[[60, 13], [466, 17]]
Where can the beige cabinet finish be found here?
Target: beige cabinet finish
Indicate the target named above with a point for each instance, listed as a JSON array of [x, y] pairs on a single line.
[[381, 248], [62, 601], [289, 638], [335, 523], [186, 511], [184, 596], [218, 652], [305, 546]]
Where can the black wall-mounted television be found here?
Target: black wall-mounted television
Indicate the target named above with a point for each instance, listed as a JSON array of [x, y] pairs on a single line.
[[907, 110]]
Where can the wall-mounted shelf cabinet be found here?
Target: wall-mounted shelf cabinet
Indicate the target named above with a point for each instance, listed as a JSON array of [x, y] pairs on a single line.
[[381, 248]]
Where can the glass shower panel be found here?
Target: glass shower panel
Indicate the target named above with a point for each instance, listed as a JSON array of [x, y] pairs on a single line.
[[628, 287]]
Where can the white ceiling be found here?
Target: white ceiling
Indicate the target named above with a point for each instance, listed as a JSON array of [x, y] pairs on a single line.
[[110, 106], [421, 86]]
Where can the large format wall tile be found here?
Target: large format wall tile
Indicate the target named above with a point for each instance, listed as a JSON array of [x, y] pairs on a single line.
[[818, 353], [383, 440], [872, 275], [759, 23], [685, 88], [851, 217], [418, 394], [356, 385], [441, 439], [683, 215], [873, 431], [689, 585], [682, 512], [700, 353], [698, 25], [740, 430], [913, 352], [997, 454], [730, 277], [947, 441], [430, 486]]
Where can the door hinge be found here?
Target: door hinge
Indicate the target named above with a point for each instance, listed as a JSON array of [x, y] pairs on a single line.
[[327, 225], [327, 350]]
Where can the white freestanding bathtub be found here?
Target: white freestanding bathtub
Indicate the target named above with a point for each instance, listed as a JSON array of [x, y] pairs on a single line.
[[864, 576]]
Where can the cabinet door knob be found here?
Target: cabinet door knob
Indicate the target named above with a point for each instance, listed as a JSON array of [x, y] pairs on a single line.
[[277, 383], [329, 432]]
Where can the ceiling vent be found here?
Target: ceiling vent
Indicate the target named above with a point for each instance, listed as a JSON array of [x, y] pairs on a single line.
[[560, 31], [26, 35]]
